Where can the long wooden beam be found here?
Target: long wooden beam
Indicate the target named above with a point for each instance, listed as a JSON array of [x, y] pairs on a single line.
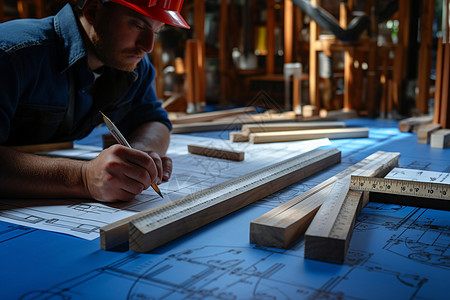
[[157, 226], [298, 135]]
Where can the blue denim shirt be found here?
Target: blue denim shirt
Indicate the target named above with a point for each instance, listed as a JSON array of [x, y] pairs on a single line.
[[48, 94]]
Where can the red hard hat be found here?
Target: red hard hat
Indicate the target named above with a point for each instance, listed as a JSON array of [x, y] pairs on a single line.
[[166, 11]]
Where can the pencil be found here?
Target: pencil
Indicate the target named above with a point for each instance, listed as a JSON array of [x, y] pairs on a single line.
[[121, 140]]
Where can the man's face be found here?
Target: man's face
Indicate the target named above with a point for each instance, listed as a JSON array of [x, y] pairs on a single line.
[[122, 36]]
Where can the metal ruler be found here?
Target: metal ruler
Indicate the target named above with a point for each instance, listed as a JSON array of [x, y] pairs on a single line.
[[401, 187]]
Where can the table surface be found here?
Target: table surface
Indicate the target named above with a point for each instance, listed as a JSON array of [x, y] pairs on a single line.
[[396, 252]]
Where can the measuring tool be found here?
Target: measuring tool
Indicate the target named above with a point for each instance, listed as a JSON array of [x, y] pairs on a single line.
[[284, 224], [401, 187], [159, 225], [328, 236]]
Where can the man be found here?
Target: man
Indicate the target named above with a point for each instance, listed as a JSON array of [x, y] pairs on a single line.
[[58, 73]]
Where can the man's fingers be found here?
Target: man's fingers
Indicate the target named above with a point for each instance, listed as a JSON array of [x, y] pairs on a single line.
[[167, 168], [159, 165]]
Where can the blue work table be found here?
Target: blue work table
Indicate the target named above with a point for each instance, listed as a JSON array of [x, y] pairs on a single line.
[[396, 252]]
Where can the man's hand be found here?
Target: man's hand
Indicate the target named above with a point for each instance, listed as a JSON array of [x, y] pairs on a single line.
[[121, 173]]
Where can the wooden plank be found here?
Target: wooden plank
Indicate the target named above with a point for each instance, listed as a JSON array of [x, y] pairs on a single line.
[[328, 236], [288, 126], [298, 135], [172, 220], [209, 116], [116, 234], [424, 132], [243, 136], [440, 139], [284, 224], [412, 124], [43, 147], [197, 209], [216, 152], [333, 247], [232, 122]]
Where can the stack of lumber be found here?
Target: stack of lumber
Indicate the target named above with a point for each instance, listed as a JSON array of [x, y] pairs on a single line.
[[330, 231]]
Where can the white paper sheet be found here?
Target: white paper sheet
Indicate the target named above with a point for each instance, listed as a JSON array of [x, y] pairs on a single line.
[[191, 173]]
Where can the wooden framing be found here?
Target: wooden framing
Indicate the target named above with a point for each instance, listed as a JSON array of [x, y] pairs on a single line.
[[284, 224], [425, 55]]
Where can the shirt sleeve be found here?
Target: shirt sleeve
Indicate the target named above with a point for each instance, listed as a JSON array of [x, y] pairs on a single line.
[[146, 107], [9, 93]]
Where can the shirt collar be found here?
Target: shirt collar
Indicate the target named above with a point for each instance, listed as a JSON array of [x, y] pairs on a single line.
[[67, 29]]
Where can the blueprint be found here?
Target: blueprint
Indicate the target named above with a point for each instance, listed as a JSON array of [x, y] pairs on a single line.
[[396, 252], [191, 173], [404, 249]]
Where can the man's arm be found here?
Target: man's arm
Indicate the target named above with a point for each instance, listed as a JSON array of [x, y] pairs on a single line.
[[118, 173]]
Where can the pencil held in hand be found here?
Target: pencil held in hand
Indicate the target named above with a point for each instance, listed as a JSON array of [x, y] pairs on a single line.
[[121, 140]]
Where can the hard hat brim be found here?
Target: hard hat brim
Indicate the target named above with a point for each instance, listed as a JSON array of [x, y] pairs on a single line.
[[173, 18]]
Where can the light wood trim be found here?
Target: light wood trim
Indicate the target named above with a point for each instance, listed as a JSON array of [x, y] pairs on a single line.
[[298, 135]]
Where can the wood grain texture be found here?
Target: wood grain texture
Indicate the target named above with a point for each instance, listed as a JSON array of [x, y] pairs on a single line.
[[216, 152], [172, 220], [286, 223], [298, 135]]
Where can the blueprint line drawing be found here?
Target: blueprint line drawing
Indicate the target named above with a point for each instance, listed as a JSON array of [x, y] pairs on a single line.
[[393, 262], [220, 272], [191, 173]]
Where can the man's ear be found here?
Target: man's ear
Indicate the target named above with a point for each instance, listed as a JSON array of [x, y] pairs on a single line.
[[90, 10]]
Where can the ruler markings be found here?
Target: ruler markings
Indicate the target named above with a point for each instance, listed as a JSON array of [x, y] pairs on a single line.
[[242, 190], [328, 236], [169, 221], [432, 190]]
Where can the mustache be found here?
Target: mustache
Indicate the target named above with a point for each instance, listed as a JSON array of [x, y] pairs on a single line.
[[134, 52]]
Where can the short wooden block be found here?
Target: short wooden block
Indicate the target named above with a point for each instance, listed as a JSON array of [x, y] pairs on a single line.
[[440, 139], [216, 152], [424, 132], [237, 137], [412, 124]]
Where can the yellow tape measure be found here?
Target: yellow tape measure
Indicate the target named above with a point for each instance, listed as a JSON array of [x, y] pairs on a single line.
[[401, 187]]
